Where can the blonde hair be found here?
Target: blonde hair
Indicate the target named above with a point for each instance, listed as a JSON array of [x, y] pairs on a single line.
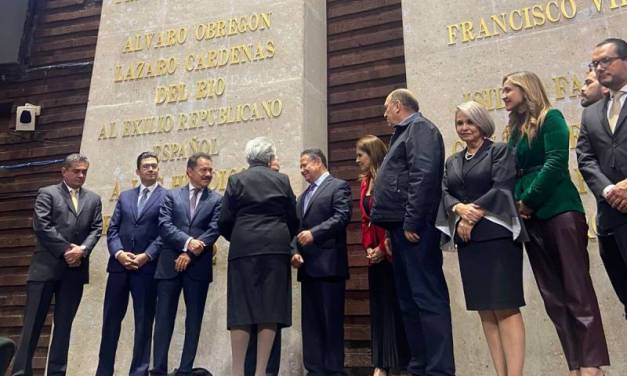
[[479, 117], [376, 150], [529, 118]]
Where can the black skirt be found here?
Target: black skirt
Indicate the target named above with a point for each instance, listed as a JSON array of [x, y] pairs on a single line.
[[389, 344], [259, 291], [492, 274]]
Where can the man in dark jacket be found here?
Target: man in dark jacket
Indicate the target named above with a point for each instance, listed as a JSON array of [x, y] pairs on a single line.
[[67, 220], [188, 226], [407, 193], [324, 210], [134, 244], [602, 158]]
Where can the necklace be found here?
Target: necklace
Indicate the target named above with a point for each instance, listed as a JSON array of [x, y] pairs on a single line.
[[468, 156]]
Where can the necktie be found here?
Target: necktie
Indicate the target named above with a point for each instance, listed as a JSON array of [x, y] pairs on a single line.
[[193, 200], [142, 201], [74, 196], [310, 192], [615, 110]]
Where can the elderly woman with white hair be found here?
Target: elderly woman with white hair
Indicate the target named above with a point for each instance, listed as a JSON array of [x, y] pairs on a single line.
[[478, 213], [259, 219]]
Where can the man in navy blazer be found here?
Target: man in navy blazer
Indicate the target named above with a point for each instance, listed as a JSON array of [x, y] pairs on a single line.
[[134, 244], [324, 210], [188, 224]]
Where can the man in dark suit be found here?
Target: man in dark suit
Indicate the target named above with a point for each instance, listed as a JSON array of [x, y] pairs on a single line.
[[134, 245], [407, 194], [188, 226], [602, 158], [67, 220], [324, 210]]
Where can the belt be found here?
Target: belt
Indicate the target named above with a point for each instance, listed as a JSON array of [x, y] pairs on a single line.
[[524, 171]]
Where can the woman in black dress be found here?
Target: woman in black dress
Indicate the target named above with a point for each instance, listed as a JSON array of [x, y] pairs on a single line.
[[258, 217], [479, 214], [390, 350]]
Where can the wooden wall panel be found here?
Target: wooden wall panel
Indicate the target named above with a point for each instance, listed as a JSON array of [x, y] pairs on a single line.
[[55, 75], [365, 62]]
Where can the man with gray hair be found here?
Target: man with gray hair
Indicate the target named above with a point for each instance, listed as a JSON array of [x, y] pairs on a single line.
[[67, 221], [407, 194]]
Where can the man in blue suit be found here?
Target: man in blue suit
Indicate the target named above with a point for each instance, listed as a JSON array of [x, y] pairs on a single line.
[[324, 210], [134, 244], [188, 224]]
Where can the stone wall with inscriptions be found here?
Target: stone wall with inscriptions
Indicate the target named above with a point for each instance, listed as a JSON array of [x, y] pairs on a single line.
[[177, 77], [457, 51]]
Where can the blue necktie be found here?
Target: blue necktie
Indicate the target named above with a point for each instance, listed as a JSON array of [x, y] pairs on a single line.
[[310, 192], [142, 201]]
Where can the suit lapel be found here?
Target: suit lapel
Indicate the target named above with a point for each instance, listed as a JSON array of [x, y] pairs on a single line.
[[133, 203], [322, 187], [603, 117], [479, 156], [456, 168], [201, 204], [185, 199], [65, 193], [151, 200]]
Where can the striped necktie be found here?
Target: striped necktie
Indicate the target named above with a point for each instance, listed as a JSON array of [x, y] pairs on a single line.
[[142, 201]]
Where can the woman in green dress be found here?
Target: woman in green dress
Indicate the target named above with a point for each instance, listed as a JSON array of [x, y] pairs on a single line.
[[555, 220]]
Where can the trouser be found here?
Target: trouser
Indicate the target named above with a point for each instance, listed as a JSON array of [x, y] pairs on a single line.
[[613, 250], [424, 301], [195, 296], [143, 289], [67, 295], [558, 254], [322, 302]]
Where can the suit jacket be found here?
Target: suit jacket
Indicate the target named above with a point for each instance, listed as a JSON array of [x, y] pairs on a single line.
[[372, 236], [56, 225], [133, 233], [487, 180], [602, 158], [545, 185], [258, 213], [176, 226], [327, 215], [408, 186]]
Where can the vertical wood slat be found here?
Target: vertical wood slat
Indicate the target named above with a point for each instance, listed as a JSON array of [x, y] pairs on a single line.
[[365, 62], [64, 31]]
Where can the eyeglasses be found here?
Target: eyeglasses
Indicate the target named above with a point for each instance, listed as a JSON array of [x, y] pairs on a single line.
[[604, 63], [149, 166]]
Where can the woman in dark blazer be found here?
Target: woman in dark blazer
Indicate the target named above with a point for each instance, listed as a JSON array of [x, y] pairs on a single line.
[[558, 234], [259, 219], [478, 213], [390, 350]]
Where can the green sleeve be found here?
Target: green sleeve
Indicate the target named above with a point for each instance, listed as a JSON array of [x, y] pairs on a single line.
[[554, 133]]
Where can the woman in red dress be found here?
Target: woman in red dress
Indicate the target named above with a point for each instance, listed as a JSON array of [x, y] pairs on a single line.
[[389, 344]]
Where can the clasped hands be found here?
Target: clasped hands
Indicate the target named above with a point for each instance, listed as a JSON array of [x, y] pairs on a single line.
[[470, 214], [73, 255], [617, 196], [196, 247], [131, 261]]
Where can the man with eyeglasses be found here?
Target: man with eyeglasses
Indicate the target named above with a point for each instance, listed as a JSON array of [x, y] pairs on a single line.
[[134, 244], [602, 158]]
